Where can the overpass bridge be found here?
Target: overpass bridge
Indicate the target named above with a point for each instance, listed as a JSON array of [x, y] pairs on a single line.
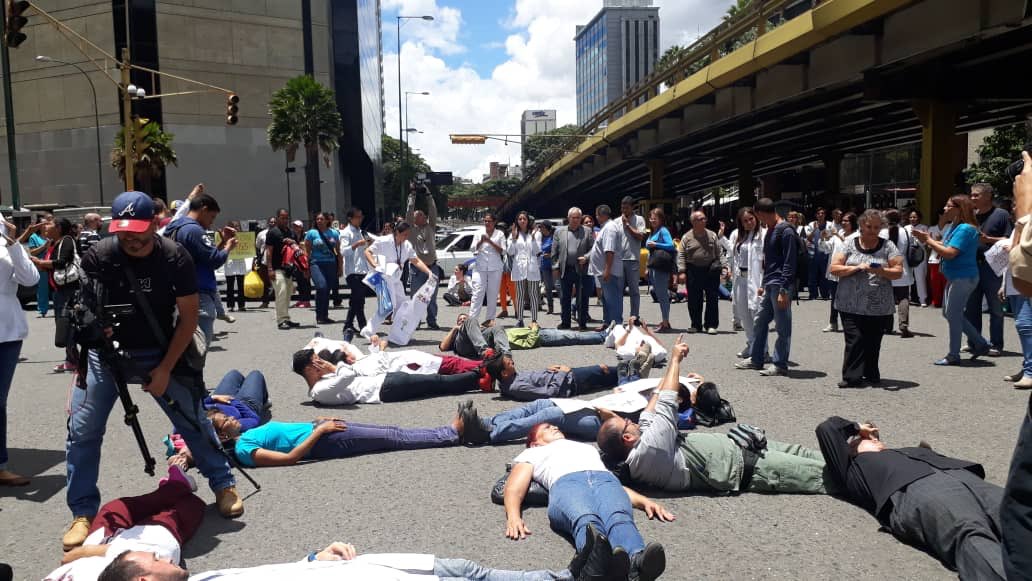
[[801, 82]]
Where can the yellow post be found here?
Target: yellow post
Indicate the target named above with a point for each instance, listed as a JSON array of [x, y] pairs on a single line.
[[657, 170], [938, 137], [127, 123]]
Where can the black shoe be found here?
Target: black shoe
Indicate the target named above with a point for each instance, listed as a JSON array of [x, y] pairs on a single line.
[[326, 321], [649, 564], [473, 432], [284, 326], [844, 384], [594, 560], [619, 566], [291, 324], [433, 326], [562, 326]]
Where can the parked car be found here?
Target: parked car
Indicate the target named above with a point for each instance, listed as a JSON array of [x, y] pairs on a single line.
[[456, 248]]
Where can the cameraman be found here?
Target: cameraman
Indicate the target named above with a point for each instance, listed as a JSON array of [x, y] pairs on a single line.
[[166, 278]]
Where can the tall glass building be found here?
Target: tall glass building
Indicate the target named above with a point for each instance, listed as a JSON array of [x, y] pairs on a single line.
[[618, 48]]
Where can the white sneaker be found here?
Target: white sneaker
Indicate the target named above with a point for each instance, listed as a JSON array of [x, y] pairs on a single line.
[[830, 329], [772, 370], [744, 353], [746, 364], [711, 331]]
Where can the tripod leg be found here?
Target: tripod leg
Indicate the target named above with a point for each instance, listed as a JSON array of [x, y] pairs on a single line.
[[131, 412]]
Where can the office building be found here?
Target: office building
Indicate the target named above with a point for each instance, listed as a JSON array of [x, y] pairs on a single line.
[[616, 49], [532, 123], [251, 48]]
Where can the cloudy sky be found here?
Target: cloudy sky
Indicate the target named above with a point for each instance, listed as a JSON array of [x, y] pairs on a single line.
[[486, 61]]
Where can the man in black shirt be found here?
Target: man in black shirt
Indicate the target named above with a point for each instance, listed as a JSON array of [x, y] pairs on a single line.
[[167, 281], [280, 274], [938, 503], [994, 225]]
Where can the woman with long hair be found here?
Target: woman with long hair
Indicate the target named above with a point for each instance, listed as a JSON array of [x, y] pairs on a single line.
[[914, 222], [488, 247], [848, 228], [524, 248], [747, 272], [322, 244], [662, 259], [59, 260], [958, 252]]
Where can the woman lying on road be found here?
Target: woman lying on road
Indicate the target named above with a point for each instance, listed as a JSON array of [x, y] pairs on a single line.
[[286, 444], [587, 502]]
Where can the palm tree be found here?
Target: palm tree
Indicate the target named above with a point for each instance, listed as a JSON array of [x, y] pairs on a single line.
[[304, 113], [736, 8], [151, 153]]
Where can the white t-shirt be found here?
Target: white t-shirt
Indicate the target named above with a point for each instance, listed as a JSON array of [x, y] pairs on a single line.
[[388, 251], [488, 257], [346, 386], [630, 247], [147, 538], [630, 346], [387, 361], [382, 567], [559, 458], [903, 241]]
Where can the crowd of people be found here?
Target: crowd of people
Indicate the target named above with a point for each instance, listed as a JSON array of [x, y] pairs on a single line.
[[587, 460]]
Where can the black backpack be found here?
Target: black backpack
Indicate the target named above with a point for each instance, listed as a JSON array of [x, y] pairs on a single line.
[[711, 409]]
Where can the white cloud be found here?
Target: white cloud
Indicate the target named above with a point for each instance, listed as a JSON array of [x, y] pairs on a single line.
[[538, 72]]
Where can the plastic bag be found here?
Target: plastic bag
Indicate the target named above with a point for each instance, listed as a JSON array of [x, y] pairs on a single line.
[[411, 312], [376, 281], [254, 288]]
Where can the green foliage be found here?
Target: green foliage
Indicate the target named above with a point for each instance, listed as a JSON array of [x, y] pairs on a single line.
[[671, 56], [542, 145], [398, 170], [304, 113], [1000, 149], [151, 152], [497, 188], [736, 8]]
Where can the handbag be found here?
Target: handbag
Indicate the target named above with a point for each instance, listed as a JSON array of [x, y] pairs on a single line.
[[661, 260], [196, 351], [72, 272], [915, 253], [536, 494]]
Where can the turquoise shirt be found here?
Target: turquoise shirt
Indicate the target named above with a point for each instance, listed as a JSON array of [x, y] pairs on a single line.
[[320, 252], [275, 436], [963, 237]]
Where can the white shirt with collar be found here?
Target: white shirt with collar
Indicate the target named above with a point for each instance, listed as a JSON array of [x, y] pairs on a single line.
[[354, 258], [524, 251], [15, 269], [488, 257]]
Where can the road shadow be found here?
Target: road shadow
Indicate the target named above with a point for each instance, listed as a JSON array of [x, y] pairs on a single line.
[[805, 374], [32, 462], [895, 384], [208, 535], [313, 404]]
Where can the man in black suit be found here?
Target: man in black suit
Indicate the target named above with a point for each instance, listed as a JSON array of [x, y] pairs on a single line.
[[570, 247], [938, 503]]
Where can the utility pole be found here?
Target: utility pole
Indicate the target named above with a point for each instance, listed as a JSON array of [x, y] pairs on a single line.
[[12, 153], [128, 130]]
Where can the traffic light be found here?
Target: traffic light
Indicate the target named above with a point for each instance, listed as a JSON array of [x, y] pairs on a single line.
[[232, 108], [13, 35], [468, 139]]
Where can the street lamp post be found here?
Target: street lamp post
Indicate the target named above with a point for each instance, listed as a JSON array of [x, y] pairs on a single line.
[[96, 119], [401, 132], [408, 128]]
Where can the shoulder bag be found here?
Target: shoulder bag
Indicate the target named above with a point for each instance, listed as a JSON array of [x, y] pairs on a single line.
[[72, 272], [915, 253]]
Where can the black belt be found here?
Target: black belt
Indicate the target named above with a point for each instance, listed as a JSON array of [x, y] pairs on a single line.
[[750, 459]]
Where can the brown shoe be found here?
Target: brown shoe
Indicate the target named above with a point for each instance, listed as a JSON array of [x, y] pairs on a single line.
[[77, 532], [229, 503], [8, 478]]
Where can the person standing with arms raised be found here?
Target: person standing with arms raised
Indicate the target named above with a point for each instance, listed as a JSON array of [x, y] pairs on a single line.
[[424, 229]]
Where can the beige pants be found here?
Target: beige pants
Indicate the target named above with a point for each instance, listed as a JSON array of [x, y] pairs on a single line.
[[283, 287]]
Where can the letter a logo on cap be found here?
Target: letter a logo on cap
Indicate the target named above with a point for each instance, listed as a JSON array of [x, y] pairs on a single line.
[[130, 209]]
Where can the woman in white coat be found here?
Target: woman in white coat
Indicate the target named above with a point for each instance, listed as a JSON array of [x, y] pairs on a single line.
[[903, 240], [834, 244], [524, 249], [488, 247], [747, 272], [921, 270], [15, 269]]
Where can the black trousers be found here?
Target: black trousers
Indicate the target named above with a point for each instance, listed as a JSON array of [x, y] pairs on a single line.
[[955, 515], [1016, 512], [235, 290], [356, 302], [863, 346], [702, 284], [400, 386]]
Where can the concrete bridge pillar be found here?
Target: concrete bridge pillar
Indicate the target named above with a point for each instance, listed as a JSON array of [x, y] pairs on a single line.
[[746, 184], [938, 137], [657, 171]]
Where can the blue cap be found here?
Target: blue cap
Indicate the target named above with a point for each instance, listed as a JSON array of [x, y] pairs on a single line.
[[131, 212]]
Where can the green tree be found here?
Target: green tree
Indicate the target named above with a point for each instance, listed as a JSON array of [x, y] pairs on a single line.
[[1001, 148], [736, 8], [539, 147], [400, 166], [670, 57], [151, 153], [304, 113]]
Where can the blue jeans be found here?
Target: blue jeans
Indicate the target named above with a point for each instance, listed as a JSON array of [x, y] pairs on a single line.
[[43, 293], [516, 423], [325, 279], [1021, 307], [251, 389], [632, 281], [769, 311], [593, 497], [612, 298], [817, 281], [592, 378], [364, 438], [90, 408], [416, 280], [585, 286], [986, 285], [660, 282], [9, 352], [562, 338], [209, 300], [465, 570], [954, 301]]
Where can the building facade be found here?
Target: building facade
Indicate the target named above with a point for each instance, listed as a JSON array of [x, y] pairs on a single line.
[[532, 123], [615, 50], [251, 48]]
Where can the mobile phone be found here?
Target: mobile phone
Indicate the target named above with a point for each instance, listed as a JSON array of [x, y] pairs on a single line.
[[875, 265]]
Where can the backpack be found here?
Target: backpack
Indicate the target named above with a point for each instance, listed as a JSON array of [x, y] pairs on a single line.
[[711, 409], [293, 260], [749, 438]]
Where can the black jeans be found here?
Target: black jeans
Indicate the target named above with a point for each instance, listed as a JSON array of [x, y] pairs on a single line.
[[304, 287], [567, 283], [400, 386], [356, 302], [703, 283], [1016, 510], [235, 290], [863, 346]]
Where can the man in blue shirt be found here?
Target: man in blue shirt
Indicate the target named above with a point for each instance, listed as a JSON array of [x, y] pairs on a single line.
[[191, 232], [780, 248]]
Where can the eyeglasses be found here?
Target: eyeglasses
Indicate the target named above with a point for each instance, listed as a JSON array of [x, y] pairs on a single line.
[[627, 425]]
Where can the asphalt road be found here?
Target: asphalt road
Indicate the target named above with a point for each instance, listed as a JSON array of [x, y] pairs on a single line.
[[437, 501]]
